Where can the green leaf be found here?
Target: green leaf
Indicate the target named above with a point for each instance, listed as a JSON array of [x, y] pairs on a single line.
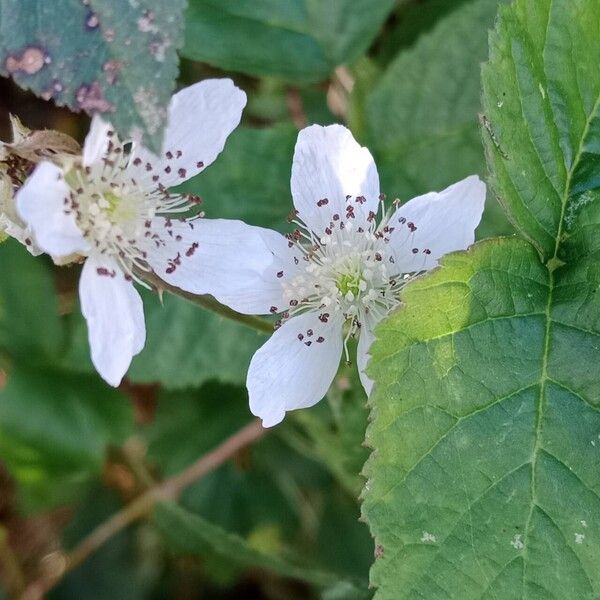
[[125, 568], [172, 437], [251, 179], [115, 59], [542, 101], [351, 553], [424, 108], [423, 111], [345, 591], [268, 491], [186, 346], [190, 533], [336, 429], [30, 327], [237, 497], [414, 19], [298, 40], [54, 430], [484, 483]]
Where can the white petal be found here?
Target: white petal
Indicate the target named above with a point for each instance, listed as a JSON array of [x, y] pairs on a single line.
[[445, 222], [287, 373], [329, 164], [41, 204], [96, 141], [367, 337], [240, 265], [201, 117], [115, 317]]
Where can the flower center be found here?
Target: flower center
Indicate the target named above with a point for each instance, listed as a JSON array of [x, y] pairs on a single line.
[[111, 212], [347, 274], [113, 203], [350, 284], [116, 215], [350, 271]]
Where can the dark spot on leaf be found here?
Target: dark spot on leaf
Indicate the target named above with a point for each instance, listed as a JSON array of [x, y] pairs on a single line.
[[378, 551], [29, 62], [91, 99], [92, 22], [55, 88], [158, 47], [112, 69], [146, 22]]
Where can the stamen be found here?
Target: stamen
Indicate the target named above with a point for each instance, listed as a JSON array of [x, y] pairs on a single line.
[[117, 216], [348, 272]]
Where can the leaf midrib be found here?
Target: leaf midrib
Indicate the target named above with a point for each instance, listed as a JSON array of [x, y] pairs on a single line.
[[545, 378]]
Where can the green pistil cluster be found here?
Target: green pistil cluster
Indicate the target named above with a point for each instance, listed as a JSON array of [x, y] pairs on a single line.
[[349, 282], [113, 202]]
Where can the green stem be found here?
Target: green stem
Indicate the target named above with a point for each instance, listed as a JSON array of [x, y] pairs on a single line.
[[209, 303]]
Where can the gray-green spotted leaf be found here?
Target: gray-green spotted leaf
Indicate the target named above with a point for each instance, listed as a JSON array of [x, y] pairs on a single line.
[[295, 40], [116, 59], [542, 105], [484, 482]]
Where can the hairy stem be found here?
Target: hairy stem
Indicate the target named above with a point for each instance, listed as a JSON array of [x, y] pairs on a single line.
[[209, 303], [296, 107], [168, 490]]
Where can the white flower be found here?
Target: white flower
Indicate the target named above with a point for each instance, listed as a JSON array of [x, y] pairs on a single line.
[[337, 275], [113, 207]]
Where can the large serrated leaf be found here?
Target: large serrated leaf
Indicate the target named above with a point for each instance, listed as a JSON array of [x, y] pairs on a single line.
[[543, 74], [484, 483], [117, 59], [296, 40], [484, 480]]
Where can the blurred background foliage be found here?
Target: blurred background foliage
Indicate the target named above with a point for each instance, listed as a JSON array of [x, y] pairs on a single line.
[[280, 520]]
